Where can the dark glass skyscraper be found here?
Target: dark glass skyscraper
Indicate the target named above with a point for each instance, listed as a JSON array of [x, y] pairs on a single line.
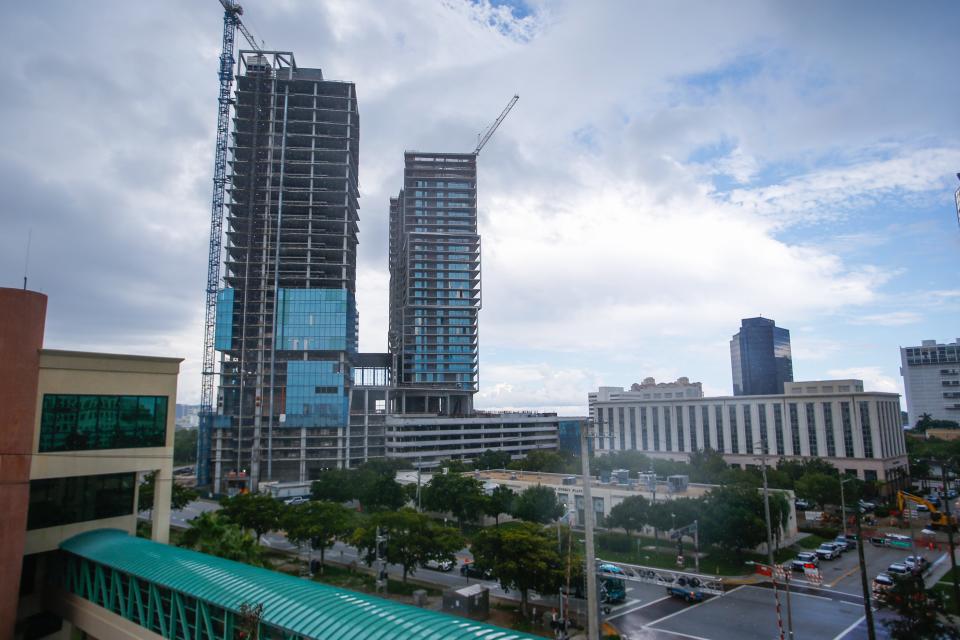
[[760, 358]]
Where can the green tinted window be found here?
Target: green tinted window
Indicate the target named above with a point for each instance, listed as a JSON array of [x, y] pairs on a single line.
[[79, 423], [59, 501]]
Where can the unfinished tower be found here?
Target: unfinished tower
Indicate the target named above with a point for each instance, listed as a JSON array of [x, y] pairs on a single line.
[[286, 318], [435, 284]]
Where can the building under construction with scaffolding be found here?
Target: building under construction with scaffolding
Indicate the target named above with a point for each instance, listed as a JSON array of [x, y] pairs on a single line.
[[286, 316]]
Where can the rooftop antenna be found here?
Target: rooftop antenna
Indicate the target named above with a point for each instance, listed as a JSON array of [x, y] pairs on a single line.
[[26, 261]]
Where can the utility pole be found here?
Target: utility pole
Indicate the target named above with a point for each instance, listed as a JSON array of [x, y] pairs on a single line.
[[593, 616], [381, 582], [864, 584], [953, 551], [773, 568], [843, 505]]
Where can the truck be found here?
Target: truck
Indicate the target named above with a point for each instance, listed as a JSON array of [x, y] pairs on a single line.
[[938, 520]]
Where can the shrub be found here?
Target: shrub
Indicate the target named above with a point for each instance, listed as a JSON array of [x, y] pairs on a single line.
[[612, 541], [824, 532]]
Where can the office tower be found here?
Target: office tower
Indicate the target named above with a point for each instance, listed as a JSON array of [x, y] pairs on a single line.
[[760, 358], [435, 283], [931, 380], [286, 317]]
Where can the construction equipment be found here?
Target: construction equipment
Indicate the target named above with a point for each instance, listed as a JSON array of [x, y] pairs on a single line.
[[937, 519], [231, 23], [484, 137]]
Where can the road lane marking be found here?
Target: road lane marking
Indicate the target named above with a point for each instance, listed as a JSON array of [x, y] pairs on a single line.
[[686, 609], [850, 628], [845, 575], [682, 635], [643, 606]]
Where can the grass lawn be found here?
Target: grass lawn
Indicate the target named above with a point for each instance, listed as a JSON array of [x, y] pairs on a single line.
[[812, 541], [946, 590]]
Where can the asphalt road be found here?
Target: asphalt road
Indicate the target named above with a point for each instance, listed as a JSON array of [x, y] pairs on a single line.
[[831, 611]]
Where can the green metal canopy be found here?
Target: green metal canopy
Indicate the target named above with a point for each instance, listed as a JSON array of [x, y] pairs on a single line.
[[297, 606]]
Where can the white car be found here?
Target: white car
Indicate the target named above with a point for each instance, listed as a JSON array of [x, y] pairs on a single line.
[[295, 500], [439, 565], [828, 551]]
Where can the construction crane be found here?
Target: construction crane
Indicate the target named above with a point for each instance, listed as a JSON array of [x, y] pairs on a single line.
[[937, 518], [485, 136], [231, 24]]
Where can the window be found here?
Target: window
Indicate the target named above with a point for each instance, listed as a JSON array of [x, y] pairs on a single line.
[[655, 422], [828, 422], [87, 422], [865, 429], [692, 421], [734, 436], [748, 427], [60, 501], [610, 425], [778, 428], [680, 437], [633, 428], [847, 429], [811, 429], [643, 429], [795, 428], [622, 422], [705, 418], [668, 428], [718, 426], [764, 440]]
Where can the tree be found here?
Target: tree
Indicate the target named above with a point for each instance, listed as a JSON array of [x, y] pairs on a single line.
[[212, 534], [334, 485], [380, 492], [318, 524], [459, 495], [707, 465], [820, 488], [545, 461], [521, 557], [491, 459], [499, 501], [180, 496], [257, 511], [412, 539], [537, 504], [921, 612], [658, 517], [733, 519], [630, 515], [185, 446]]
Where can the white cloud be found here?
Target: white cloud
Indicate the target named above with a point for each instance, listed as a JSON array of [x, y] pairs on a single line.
[[890, 319], [539, 386]]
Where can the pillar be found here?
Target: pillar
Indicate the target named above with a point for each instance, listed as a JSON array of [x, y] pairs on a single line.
[[22, 314]]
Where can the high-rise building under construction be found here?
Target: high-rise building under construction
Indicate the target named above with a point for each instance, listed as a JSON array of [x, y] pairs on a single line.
[[286, 321]]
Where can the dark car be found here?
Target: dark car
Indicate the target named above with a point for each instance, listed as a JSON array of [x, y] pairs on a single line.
[[687, 589], [802, 505], [847, 543], [468, 570]]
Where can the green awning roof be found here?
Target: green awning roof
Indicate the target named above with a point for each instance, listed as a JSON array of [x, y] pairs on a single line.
[[296, 605]]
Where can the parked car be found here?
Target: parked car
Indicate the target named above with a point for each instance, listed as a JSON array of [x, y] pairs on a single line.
[[804, 558], [899, 571], [296, 500], [922, 508], [916, 564], [439, 565], [881, 585], [802, 505], [468, 570], [866, 505], [847, 543], [952, 494], [828, 551]]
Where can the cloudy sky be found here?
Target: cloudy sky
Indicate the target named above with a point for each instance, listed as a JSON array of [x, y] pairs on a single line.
[[671, 168]]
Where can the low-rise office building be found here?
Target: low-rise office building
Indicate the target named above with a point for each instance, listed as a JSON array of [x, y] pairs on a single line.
[[858, 432], [78, 431]]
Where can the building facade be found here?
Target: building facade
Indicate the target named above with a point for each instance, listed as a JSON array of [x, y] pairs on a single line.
[[286, 324], [435, 273], [91, 425], [760, 358], [931, 380], [858, 432]]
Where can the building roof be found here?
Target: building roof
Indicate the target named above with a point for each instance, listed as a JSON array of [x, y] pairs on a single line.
[[293, 604]]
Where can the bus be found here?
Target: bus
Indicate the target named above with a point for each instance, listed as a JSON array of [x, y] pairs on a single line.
[[613, 590]]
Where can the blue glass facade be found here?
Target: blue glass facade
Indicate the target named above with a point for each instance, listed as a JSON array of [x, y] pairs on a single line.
[[316, 320], [760, 358], [435, 272], [223, 334], [569, 435], [316, 396]]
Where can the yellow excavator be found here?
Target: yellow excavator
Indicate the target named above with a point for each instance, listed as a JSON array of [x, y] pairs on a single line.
[[937, 519]]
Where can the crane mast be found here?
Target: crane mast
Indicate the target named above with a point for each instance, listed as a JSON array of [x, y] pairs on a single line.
[[484, 137], [231, 23]]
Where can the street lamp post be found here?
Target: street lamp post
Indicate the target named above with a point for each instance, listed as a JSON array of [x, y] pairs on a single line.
[[843, 502], [593, 615]]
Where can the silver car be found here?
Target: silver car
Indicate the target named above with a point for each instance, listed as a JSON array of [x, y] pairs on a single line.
[[828, 551]]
